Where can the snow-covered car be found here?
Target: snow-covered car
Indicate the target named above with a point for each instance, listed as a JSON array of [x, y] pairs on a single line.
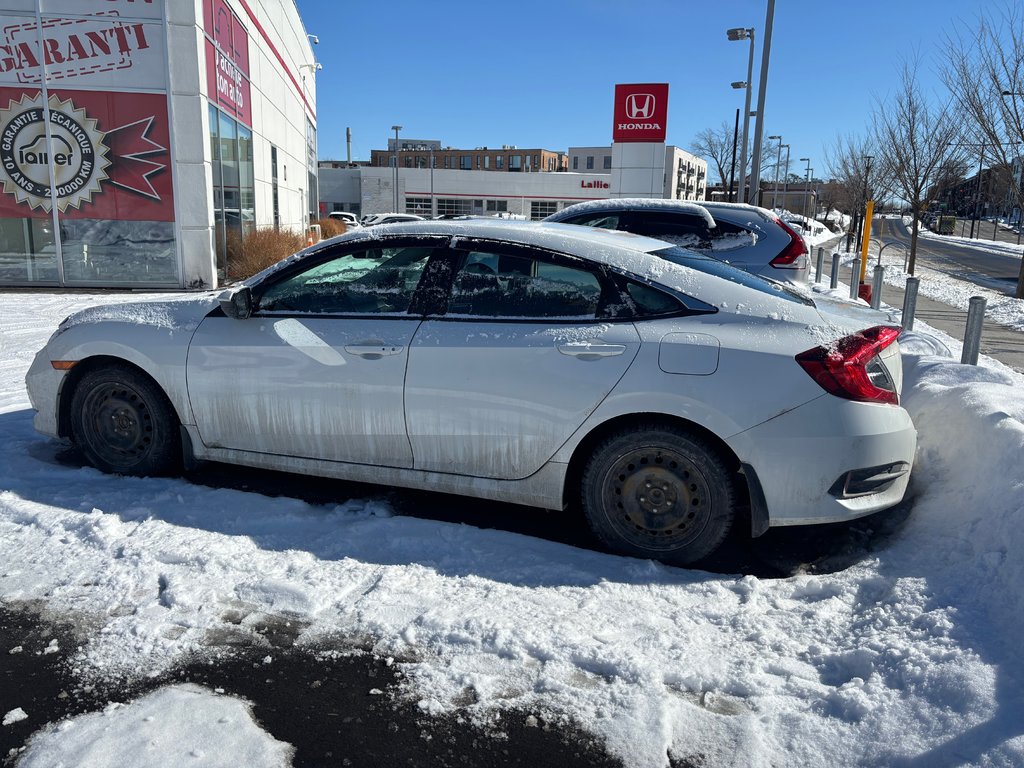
[[347, 217], [372, 219], [667, 393], [751, 238]]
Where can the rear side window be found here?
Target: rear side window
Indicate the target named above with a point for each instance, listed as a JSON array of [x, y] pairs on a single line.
[[683, 229], [721, 269], [596, 220], [727, 236]]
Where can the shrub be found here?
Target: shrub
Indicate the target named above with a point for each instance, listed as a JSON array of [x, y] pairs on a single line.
[[331, 227], [260, 249]]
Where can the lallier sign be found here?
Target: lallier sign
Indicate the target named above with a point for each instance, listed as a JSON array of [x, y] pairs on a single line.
[[85, 146], [641, 113]]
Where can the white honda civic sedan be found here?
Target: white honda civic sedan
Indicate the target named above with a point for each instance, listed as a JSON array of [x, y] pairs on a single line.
[[668, 394]]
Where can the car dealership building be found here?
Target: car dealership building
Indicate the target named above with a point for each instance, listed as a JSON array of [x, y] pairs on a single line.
[[140, 140]]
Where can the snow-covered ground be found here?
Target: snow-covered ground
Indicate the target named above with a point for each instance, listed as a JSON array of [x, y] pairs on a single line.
[[910, 656]]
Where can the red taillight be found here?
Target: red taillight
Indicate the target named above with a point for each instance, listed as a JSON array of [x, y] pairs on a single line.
[[850, 367], [791, 252]]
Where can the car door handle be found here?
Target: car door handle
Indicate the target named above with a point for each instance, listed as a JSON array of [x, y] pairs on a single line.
[[373, 351], [588, 350]]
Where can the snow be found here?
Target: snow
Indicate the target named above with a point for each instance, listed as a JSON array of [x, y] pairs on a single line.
[[16, 715], [173, 726], [908, 655]]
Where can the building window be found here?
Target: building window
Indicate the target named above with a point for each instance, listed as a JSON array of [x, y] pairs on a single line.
[[447, 161], [487, 162], [536, 161], [466, 162], [575, 162], [234, 195], [540, 209], [408, 162], [453, 207], [497, 206], [499, 161], [478, 162], [607, 162], [515, 162], [275, 200], [418, 205], [590, 162]]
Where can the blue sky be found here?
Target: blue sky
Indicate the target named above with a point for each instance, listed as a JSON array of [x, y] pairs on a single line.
[[543, 73]]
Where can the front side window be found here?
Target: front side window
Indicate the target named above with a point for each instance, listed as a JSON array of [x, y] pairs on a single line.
[[596, 220], [501, 285], [369, 281]]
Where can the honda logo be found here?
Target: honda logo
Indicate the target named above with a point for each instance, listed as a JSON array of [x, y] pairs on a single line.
[[639, 106]]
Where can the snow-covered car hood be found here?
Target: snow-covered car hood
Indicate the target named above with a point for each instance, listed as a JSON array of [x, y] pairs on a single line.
[[183, 312]]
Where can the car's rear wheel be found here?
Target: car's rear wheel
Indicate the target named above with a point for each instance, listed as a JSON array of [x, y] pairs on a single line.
[[658, 491], [124, 424]]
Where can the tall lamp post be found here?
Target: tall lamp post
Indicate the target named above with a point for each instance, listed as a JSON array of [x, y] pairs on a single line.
[[785, 178], [807, 184], [396, 129], [744, 33], [762, 92], [778, 162]]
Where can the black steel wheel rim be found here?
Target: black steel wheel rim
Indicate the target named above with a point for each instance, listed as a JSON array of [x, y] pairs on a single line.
[[656, 498], [119, 424]]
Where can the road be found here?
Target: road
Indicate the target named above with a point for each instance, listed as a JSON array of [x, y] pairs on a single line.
[[991, 270]]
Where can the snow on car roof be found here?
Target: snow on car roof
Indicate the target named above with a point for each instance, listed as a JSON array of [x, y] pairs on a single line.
[[634, 203]]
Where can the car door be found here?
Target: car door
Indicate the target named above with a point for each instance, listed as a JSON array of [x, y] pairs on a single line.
[[521, 355], [317, 370]]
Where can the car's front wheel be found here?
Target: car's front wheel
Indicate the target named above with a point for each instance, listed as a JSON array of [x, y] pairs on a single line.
[[124, 424], [658, 491]]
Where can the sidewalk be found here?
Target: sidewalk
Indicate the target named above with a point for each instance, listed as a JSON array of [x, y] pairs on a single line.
[[1004, 344]]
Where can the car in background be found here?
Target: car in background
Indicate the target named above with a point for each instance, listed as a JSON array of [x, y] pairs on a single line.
[[667, 394], [348, 218], [751, 238], [372, 219]]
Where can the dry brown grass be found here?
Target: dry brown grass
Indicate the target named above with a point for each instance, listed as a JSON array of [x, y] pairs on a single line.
[[260, 249], [331, 227]]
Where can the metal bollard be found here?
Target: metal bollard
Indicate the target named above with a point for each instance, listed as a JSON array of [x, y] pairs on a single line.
[[876, 287], [855, 278], [972, 334], [910, 303], [821, 263], [835, 271]]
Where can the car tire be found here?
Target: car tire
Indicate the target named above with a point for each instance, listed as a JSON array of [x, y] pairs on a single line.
[[657, 491], [124, 424]]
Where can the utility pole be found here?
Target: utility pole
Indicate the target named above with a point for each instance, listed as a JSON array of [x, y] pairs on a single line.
[[732, 170]]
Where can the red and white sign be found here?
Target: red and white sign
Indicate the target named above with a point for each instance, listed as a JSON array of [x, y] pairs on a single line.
[[108, 153], [641, 113], [102, 49], [227, 60], [594, 184]]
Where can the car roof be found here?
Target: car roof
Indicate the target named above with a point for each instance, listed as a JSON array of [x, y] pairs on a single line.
[[635, 204]]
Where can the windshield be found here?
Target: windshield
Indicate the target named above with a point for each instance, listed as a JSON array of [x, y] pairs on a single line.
[[711, 266]]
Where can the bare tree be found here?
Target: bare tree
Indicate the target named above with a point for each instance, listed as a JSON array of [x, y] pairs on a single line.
[[916, 140], [985, 73], [715, 144], [858, 177]]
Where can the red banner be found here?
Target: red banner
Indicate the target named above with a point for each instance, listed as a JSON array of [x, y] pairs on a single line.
[[227, 60], [108, 151], [641, 112]]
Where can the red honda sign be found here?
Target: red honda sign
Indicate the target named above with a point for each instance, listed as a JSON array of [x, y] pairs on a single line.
[[641, 112]]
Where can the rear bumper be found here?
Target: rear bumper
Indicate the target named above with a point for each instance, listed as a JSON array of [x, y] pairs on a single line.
[[803, 457]]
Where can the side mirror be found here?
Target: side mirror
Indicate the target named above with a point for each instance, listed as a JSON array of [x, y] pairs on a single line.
[[236, 303]]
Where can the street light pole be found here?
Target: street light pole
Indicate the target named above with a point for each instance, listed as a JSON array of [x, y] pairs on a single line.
[[744, 33], [807, 183], [977, 195], [785, 179], [778, 162], [396, 129], [766, 50], [732, 170]]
